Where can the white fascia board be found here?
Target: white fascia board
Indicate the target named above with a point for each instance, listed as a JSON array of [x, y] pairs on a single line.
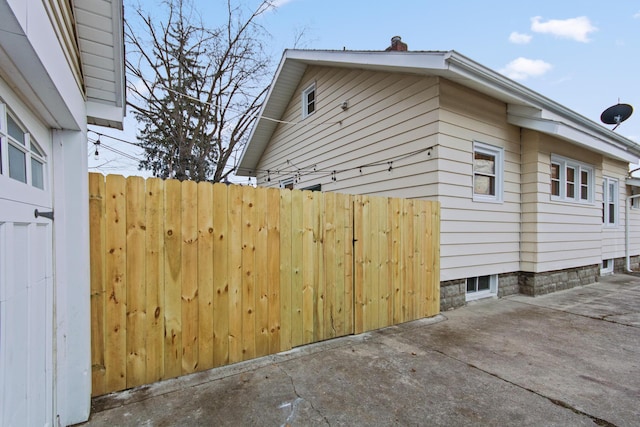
[[427, 63], [105, 115], [576, 136]]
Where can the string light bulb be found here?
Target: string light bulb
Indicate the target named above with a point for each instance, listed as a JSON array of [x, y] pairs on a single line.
[[96, 154]]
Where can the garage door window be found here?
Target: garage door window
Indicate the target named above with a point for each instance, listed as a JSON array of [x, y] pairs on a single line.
[[24, 161]]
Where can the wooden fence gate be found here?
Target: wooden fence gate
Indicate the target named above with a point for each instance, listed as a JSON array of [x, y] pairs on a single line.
[[188, 276]]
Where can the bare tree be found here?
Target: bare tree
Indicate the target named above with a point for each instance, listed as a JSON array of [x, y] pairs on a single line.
[[196, 90]]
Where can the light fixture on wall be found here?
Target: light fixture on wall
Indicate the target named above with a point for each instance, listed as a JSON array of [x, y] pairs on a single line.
[[344, 105]]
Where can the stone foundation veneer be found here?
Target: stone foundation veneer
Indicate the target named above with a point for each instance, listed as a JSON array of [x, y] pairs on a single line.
[[453, 292], [535, 284]]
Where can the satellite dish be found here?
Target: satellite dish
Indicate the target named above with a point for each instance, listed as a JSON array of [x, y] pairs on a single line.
[[616, 114]]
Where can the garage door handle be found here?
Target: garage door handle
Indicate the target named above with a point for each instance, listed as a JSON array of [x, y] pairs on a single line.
[[44, 214]]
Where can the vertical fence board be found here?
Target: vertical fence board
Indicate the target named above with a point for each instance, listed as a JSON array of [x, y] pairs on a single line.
[[318, 272], [422, 255], [154, 276], [372, 238], [385, 310], [308, 268], [297, 237], [261, 255], [286, 271], [235, 251], [433, 245], [272, 255], [221, 276], [205, 276], [116, 291], [189, 259], [396, 238], [329, 248], [249, 233], [173, 279], [409, 279], [136, 291], [349, 263], [97, 253], [190, 276], [358, 264]]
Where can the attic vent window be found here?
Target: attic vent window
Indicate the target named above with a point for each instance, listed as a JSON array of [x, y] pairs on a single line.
[[309, 101]]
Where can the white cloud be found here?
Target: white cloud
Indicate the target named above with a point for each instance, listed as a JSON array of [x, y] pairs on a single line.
[[519, 38], [523, 68], [637, 15], [280, 3], [577, 29]]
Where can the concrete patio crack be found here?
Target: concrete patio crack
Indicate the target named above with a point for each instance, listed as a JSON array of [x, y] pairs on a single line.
[[557, 402], [602, 318], [297, 401]]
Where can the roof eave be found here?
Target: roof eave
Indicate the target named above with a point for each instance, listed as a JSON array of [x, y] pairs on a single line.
[[451, 65]]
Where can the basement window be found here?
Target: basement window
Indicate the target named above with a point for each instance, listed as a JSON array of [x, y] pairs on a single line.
[[607, 267], [482, 287]]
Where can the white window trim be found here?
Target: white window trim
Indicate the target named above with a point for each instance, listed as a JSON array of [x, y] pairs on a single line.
[[605, 202], [6, 140], [305, 111], [606, 268], [579, 167], [498, 153], [491, 292]]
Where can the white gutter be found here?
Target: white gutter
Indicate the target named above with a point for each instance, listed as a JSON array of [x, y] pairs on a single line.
[[626, 232]]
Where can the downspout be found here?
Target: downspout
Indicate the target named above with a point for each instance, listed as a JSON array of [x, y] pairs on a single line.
[[626, 232]]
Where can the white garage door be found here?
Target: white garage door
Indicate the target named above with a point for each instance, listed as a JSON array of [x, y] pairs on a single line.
[[26, 278]]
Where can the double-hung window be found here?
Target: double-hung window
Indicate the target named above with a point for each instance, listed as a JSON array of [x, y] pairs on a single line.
[[571, 181], [487, 172], [20, 157], [610, 202], [309, 100]]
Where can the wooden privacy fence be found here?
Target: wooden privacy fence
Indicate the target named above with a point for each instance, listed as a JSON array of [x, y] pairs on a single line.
[[188, 276]]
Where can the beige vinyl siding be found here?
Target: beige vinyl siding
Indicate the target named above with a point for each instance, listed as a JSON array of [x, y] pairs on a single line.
[[557, 234], [477, 238], [388, 116]]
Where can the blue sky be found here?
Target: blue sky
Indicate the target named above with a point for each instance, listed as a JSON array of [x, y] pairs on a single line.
[[584, 54]]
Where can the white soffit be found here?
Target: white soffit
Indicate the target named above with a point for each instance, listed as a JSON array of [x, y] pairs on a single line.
[[100, 37]]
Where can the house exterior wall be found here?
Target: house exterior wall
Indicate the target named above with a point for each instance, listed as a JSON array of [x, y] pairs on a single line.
[[478, 238], [556, 234], [387, 117], [390, 115]]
